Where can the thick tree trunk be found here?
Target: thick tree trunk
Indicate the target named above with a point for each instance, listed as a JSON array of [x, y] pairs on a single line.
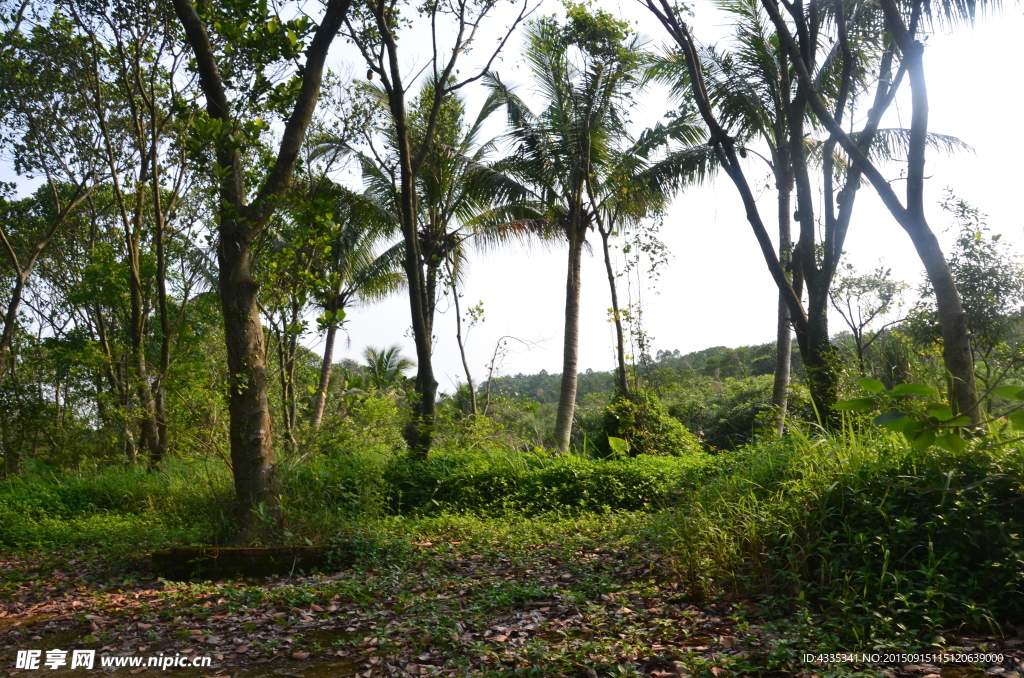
[[10, 322], [250, 433], [254, 464], [320, 402], [570, 347]]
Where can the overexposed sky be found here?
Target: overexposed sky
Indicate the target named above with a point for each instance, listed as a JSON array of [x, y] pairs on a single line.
[[716, 289]]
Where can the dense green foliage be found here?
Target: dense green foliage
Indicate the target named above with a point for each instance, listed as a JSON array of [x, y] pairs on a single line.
[[894, 544]]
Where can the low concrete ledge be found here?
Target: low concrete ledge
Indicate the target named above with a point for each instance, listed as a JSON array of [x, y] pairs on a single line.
[[182, 564]]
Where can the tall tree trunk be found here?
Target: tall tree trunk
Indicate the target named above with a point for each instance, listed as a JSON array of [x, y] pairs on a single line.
[[419, 432], [160, 385], [620, 340], [784, 330], [955, 334], [817, 353], [956, 345], [250, 432], [148, 437], [570, 346], [326, 365]]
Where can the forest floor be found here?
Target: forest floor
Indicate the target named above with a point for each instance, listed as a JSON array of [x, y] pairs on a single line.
[[583, 604]]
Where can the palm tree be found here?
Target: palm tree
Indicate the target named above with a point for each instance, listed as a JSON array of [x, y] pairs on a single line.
[[454, 197], [385, 366], [585, 71], [352, 270]]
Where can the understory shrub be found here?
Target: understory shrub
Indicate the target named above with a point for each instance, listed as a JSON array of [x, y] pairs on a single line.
[[729, 413], [538, 483], [642, 421]]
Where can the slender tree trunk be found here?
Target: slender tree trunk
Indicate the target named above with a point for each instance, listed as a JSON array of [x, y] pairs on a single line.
[[620, 341], [956, 343], [148, 437], [326, 365], [784, 330], [462, 345], [419, 432], [570, 347], [159, 386]]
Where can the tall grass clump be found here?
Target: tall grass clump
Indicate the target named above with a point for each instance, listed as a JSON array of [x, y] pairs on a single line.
[[185, 503], [893, 544]]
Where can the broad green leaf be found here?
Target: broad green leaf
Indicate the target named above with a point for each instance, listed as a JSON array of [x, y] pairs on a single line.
[[891, 421], [940, 411], [912, 389], [912, 428], [856, 404], [923, 439], [871, 385], [887, 417], [618, 445], [1009, 392], [951, 442], [1017, 420]]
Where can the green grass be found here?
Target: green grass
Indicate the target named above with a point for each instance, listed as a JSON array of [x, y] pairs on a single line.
[[116, 507], [852, 539]]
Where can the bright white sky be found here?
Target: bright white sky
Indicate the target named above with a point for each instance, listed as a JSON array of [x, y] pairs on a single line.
[[716, 289]]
